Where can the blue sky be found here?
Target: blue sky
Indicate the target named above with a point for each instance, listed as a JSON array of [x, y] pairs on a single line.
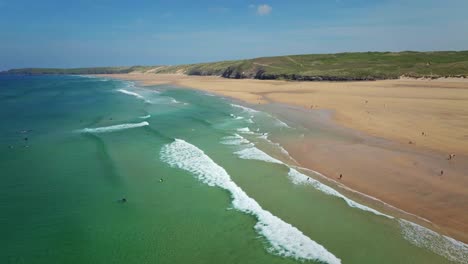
[[46, 33]]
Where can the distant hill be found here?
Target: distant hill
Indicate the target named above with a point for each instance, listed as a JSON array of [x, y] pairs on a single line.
[[77, 71], [313, 67]]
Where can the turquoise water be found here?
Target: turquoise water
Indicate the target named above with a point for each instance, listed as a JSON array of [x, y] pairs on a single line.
[[203, 182]]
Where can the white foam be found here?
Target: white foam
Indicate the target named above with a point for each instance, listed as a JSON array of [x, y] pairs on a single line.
[[244, 130], [250, 121], [299, 178], [113, 128], [264, 136], [234, 140], [365, 195], [236, 117], [281, 123], [139, 96], [145, 117], [283, 150], [254, 153], [442, 245], [174, 101], [244, 108], [285, 239]]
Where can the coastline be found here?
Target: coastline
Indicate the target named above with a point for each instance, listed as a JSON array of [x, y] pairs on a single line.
[[407, 175]]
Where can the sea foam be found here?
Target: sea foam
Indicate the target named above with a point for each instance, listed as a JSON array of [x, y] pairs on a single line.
[[442, 245], [281, 123], [244, 108], [145, 117], [244, 130], [299, 178], [137, 95], [234, 140], [254, 153], [113, 128], [285, 239]]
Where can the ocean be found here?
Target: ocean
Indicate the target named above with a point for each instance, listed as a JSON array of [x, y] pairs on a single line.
[[95, 170]]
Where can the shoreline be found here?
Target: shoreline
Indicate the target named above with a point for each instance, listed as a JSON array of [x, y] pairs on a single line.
[[443, 205]]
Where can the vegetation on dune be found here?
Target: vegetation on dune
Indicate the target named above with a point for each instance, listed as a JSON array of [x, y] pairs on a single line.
[[341, 66], [313, 67]]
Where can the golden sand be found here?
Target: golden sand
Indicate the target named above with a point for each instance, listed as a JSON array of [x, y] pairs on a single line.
[[425, 119]]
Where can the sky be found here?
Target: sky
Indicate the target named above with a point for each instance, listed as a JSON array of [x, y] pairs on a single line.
[[86, 33]]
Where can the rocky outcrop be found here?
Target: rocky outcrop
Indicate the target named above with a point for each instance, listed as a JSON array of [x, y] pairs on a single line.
[[261, 74]]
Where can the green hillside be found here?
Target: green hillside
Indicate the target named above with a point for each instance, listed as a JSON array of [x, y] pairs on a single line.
[[313, 67], [341, 66]]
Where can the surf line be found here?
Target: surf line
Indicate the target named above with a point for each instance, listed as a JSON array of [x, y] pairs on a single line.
[[113, 128], [284, 239], [137, 95], [417, 235]]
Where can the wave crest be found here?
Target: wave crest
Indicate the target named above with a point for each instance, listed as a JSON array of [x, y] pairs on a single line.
[[285, 239], [113, 128], [137, 95]]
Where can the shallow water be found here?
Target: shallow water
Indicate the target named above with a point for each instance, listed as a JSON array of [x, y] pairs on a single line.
[[223, 192]]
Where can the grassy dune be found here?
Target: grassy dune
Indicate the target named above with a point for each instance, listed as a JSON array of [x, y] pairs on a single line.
[[359, 66], [313, 67]]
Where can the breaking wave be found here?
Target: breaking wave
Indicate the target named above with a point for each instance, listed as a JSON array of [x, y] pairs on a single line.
[[113, 128], [442, 245], [284, 239], [234, 140], [244, 108], [254, 153], [145, 117], [299, 178], [139, 96]]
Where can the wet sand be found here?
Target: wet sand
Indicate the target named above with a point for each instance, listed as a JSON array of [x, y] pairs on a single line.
[[369, 142]]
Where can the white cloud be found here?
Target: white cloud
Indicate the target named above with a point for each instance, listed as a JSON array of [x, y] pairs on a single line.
[[264, 10]]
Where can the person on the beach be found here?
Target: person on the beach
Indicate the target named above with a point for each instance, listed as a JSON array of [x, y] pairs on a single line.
[[341, 176]]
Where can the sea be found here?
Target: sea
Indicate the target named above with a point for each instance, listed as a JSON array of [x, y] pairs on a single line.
[[95, 170]]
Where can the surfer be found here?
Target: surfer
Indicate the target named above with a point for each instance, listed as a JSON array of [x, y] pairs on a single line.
[[161, 180], [123, 200]]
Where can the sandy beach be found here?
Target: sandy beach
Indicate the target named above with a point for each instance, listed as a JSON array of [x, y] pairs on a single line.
[[398, 135]]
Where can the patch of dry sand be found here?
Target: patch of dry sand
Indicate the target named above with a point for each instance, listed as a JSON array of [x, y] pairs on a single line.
[[404, 175]]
